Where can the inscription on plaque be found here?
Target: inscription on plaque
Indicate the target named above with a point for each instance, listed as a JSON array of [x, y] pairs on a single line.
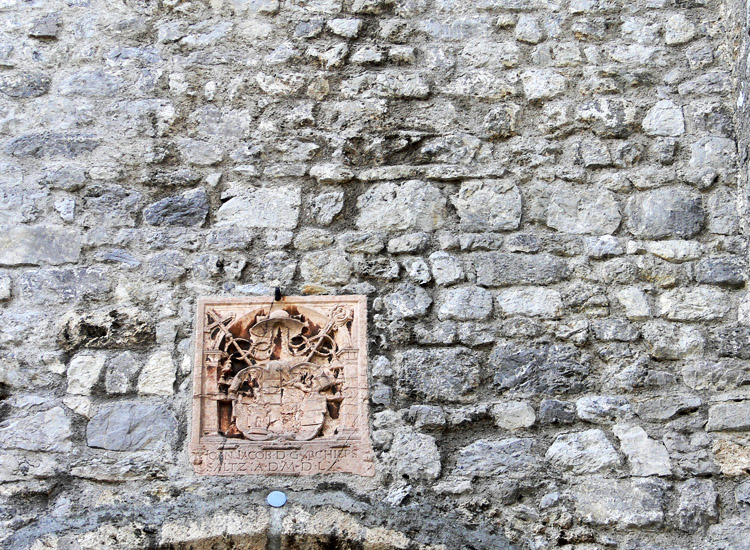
[[280, 387]]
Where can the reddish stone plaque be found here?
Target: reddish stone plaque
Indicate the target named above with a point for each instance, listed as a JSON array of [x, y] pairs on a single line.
[[280, 387]]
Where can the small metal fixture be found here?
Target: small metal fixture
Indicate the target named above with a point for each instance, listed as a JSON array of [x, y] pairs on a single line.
[[277, 499], [277, 294]]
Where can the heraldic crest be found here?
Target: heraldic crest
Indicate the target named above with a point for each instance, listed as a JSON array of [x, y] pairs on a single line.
[[281, 374]]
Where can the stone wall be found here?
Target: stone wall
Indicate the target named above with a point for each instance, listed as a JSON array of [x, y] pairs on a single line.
[[542, 200]]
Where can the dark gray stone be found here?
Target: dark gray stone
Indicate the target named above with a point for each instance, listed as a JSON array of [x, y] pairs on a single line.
[[548, 369], [500, 269], [46, 27], [698, 505], [185, 210], [131, 426], [732, 341], [23, 85], [553, 411], [720, 271], [439, 374], [121, 373], [52, 144], [511, 458], [167, 266], [665, 212]]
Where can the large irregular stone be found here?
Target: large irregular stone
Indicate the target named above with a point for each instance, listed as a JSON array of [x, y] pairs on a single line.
[[84, 372], [590, 211], [38, 245], [635, 303], [502, 269], [25, 84], [52, 144], [712, 160], [121, 373], [48, 431], [132, 426], [446, 268], [624, 503], [158, 375], [697, 304], [415, 456], [513, 415], [721, 271], [107, 328], [603, 409], [412, 205], [408, 302], [94, 83], [185, 210], [546, 370], [488, 205], [465, 304], [271, 207], [665, 212], [670, 341], [698, 506], [664, 119], [732, 458], [325, 267], [64, 286], [542, 84], [583, 452], [732, 341], [646, 456], [729, 416], [511, 458], [437, 374], [532, 301], [326, 206]]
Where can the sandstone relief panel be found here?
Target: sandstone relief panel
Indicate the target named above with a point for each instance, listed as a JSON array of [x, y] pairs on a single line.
[[280, 387]]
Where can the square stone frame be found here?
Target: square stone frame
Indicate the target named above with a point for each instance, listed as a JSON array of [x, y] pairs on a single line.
[[212, 453]]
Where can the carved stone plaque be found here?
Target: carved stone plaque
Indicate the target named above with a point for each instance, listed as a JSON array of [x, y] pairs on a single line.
[[280, 387]]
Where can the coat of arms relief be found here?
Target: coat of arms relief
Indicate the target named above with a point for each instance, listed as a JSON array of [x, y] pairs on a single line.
[[281, 387]]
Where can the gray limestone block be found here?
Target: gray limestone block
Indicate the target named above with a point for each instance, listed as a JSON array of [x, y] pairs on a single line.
[[509, 458], [408, 302], [25, 85], [186, 209], [665, 212], [38, 245], [583, 452], [625, 503], [47, 431], [415, 456], [698, 504], [439, 374], [131, 426], [464, 304], [539, 369], [501, 269]]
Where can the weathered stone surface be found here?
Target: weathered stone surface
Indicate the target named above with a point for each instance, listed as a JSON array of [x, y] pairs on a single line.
[[446, 268], [52, 144], [500, 269], [513, 415], [729, 416], [48, 431], [107, 328], [451, 374], [669, 341], [84, 372], [665, 212], [325, 267], [158, 375], [531, 301], [646, 456], [39, 245], [326, 206], [488, 205], [412, 205], [331, 173], [411, 242], [603, 409], [23, 85], [698, 505], [635, 303], [697, 304], [678, 30], [185, 210], [415, 456], [554, 411], [712, 160], [121, 373], [408, 302], [660, 408], [542, 84], [542, 370], [587, 211], [664, 119], [272, 207], [721, 271], [583, 452], [464, 304], [132, 426], [512, 458], [625, 503]]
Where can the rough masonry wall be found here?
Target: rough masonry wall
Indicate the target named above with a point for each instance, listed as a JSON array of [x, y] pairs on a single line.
[[539, 198]]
